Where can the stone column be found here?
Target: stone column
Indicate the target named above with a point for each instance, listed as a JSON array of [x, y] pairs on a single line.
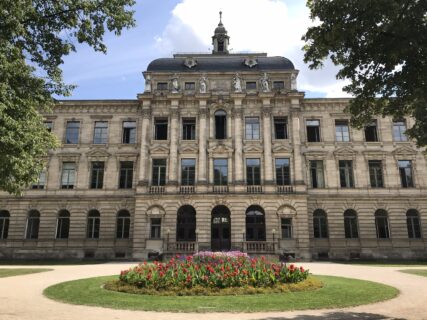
[[268, 160], [238, 144], [173, 148], [143, 160], [202, 163], [296, 142]]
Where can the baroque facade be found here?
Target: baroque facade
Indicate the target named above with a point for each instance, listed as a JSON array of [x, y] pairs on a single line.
[[221, 152]]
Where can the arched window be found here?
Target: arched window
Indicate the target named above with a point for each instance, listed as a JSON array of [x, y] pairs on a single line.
[[63, 225], [413, 224], [93, 222], [186, 224], [320, 224], [33, 223], [123, 224], [381, 224], [220, 124], [350, 224], [255, 224], [4, 224]]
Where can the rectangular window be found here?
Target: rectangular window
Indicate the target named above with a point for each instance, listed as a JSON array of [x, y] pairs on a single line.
[[220, 172], [381, 223], [162, 85], [252, 128], [97, 175], [376, 173], [371, 133], [283, 172], [41, 182], [48, 125], [156, 224], [350, 226], [253, 172], [341, 131], [126, 175], [346, 173], [405, 171], [68, 178], [160, 129], [281, 128], [129, 132], [313, 130], [72, 132], [278, 85], [286, 224], [188, 172], [190, 86], [251, 85], [399, 129], [189, 129], [159, 172], [316, 174], [100, 133]]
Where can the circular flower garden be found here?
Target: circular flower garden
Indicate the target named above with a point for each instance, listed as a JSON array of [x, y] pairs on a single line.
[[213, 273]]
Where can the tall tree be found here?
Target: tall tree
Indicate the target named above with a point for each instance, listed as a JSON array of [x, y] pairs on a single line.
[[381, 47], [35, 35]]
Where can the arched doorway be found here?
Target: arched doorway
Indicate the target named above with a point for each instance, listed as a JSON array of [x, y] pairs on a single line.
[[255, 224], [221, 229]]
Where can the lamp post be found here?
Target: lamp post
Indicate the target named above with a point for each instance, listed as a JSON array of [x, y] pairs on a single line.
[[243, 240], [273, 231], [197, 240], [168, 231]]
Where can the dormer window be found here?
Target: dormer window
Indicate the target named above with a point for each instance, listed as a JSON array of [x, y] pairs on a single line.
[[162, 85]]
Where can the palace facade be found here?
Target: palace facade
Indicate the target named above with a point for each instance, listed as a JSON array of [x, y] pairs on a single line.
[[221, 152]]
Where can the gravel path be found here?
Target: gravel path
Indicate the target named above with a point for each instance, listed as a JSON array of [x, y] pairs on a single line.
[[21, 297]]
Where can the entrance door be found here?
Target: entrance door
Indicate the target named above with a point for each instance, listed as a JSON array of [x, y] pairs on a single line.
[[221, 229]]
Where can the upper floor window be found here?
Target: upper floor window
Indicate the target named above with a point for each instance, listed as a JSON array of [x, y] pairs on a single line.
[[316, 174], [252, 128], [371, 132], [399, 129], [346, 173], [159, 172], [278, 85], [97, 175], [48, 125], [72, 132], [313, 130], [4, 224], [220, 124], [381, 224], [68, 178], [161, 129], [376, 173], [341, 131], [189, 129], [283, 172], [253, 172], [220, 172], [41, 181], [162, 85], [405, 171], [126, 175], [251, 85], [129, 132], [190, 86], [188, 172], [280, 128], [100, 133], [413, 224]]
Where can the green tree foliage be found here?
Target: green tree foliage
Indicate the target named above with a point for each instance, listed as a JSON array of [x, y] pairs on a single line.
[[35, 35], [381, 47]]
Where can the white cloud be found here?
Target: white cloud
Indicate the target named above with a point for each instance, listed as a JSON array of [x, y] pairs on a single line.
[[254, 25]]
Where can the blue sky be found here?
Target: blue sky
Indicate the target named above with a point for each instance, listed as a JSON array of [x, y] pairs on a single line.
[[169, 26]]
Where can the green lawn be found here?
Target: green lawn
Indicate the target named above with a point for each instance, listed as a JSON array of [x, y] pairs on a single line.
[[418, 272], [336, 293], [17, 272]]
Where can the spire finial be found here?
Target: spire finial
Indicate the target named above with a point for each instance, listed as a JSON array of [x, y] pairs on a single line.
[[220, 17]]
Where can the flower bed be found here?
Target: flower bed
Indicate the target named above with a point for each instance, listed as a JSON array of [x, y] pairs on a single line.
[[210, 270]]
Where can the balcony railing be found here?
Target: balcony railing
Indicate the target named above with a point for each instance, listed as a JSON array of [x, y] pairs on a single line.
[[186, 189], [220, 189], [259, 246], [285, 189], [156, 189], [182, 246], [254, 189]]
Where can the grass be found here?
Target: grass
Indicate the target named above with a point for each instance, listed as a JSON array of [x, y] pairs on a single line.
[[336, 293], [386, 263], [418, 272], [49, 262], [18, 272]]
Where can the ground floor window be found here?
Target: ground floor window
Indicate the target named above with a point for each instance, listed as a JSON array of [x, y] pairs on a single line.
[[320, 224], [413, 224], [33, 224], [63, 225], [350, 224], [255, 224], [381, 224], [286, 224], [155, 228], [123, 224], [93, 223], [186, 224]]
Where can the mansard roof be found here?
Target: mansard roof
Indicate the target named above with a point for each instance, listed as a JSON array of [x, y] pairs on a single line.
[[223, 63]]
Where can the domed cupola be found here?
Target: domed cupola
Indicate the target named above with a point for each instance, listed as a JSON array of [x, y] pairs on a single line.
[[220, 40]]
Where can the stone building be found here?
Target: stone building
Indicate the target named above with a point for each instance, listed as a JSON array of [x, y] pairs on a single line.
[[221, 152]]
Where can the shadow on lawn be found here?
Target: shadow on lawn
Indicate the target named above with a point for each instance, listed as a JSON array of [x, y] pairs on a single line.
[[337, 316]]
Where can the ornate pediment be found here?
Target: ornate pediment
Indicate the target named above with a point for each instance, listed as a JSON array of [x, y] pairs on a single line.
[[404, 151], [281, 148], [159, 149], [188, 148], [98, 153], [345, 152], [220, 148], [253, 148]]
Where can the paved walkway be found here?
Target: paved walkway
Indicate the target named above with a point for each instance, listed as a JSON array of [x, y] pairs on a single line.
[[21, 297]]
